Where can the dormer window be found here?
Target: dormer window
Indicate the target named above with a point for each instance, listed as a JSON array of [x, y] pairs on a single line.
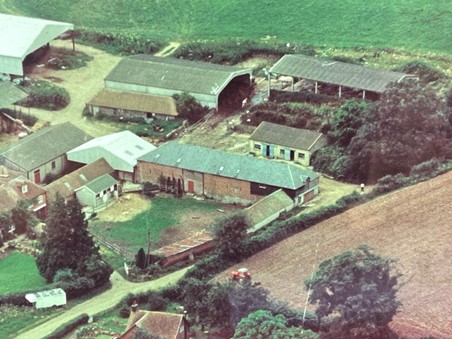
[[24, 189]]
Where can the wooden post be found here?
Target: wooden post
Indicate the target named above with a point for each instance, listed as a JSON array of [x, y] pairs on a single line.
[[315, 88], [268, 78], [340, 91], [364, 95]]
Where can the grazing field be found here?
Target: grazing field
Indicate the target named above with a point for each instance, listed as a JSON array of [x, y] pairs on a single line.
[[412, 225], [19, 273], [410, 24]]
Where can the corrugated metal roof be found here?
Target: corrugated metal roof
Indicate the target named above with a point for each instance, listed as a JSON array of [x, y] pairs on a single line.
[[268, 206], [44, 145], [121, 150], [135, 102], [175, 74], [335, 72], [297, 138], [241, 167], [101, 183], [10, 93], [19, 36]]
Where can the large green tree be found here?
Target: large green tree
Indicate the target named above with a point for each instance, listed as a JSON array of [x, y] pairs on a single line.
[[67, 244], [189, 108], [229, 234], [263, 324], [355, 294]]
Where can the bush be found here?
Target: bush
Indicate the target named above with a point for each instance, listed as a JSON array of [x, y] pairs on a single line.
[[45, 95], [308, 97], [390, 183], [70, 326], [425, 169], [124, 311], [426, 72]]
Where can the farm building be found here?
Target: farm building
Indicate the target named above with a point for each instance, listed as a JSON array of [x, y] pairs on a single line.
[[214, 86], [283, 142], [99, 192], [224, 176], [156, 324], [43, 153], [67, 186], [121, 150], [343, 75], [21, 189], [20, 36], [132, 106], [10, 93]]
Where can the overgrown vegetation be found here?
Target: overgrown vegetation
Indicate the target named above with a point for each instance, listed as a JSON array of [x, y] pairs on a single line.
[[45, 95], [62, 58], [189, 108], [26, 118]]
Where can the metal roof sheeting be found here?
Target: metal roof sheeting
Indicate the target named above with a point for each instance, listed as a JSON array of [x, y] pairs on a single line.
[[19, 36], [121, 150], [337, 73], [240, 167], [174, 74]]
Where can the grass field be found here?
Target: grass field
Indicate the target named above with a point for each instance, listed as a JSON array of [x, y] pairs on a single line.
[[19, 273], [165, 215], [409, 24]]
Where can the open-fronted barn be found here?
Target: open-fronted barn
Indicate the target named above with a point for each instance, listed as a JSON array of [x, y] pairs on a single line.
[[211, 85], [20, 36], [341, 74], [225, 176]]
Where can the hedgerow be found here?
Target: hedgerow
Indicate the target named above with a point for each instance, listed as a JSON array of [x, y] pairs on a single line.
[[45, 95]]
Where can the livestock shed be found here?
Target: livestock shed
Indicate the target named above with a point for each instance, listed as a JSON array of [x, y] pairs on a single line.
[[337, 73], [121, 150], [130, 106], [283, 142], [98, 192], [20, 36], [43, 153], [214, 86], [10, 93], [225, 176]]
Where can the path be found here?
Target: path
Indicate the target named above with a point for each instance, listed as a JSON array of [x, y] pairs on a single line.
[[108, 299]]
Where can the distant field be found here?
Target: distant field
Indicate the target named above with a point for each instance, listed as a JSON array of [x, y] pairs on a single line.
[[19, 273], [410, 24]]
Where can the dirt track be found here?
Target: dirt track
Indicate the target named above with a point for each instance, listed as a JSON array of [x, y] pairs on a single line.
[[412, 225]]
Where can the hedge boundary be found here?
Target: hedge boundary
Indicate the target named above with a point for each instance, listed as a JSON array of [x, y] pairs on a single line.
[[68, 327]]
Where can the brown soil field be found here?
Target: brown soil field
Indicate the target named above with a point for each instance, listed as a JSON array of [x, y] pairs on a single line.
[[412, 225]]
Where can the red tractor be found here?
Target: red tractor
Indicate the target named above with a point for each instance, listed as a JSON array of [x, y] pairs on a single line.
[[241, 275]]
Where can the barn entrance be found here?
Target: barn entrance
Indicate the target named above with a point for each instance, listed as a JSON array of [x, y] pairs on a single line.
[[232, 96], [191, 186]]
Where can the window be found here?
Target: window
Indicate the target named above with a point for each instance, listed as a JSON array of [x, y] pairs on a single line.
[[40, 199], [301, 155], [53, 165], [257, 146], [282, 152]]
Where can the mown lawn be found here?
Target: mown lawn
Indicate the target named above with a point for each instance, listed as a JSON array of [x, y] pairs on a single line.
[[164, 213], [19, 273], [410, 24]]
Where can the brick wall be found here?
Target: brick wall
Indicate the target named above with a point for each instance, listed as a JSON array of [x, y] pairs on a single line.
[[228, 189], [151, 172]]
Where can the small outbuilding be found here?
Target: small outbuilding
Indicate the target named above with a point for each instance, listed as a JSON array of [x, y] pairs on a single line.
[[98, 192], [283, 142], [45, 299], [132, 106]]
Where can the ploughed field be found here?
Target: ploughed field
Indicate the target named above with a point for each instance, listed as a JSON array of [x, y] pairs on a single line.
[[413, 225]]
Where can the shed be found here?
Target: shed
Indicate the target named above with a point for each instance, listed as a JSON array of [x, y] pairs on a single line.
[[10, 93], [128, 105], [20, 36], [50, 298], [337, 73], [98, 192], [283, 142], [210, 84]]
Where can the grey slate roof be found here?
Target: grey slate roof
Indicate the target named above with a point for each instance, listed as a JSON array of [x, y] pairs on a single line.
[[268, 206], [335, 72], [44, 145], [297, 138], [101, 183], [175, 74], [241, 167]]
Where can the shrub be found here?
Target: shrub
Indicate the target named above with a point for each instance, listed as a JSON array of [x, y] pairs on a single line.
[[70, 326], [425, 169], [45, 95], [124, 311], [426, 72], [157, 302], [308, 97], [390, 183]]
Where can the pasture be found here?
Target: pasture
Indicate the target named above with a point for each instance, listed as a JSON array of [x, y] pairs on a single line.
[[19, 273], [405, 24], [411, 225]]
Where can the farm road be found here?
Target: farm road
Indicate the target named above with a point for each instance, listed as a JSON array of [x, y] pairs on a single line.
[[108, 299]]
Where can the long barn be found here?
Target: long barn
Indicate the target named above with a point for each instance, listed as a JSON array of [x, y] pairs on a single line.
[[212, 85]]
